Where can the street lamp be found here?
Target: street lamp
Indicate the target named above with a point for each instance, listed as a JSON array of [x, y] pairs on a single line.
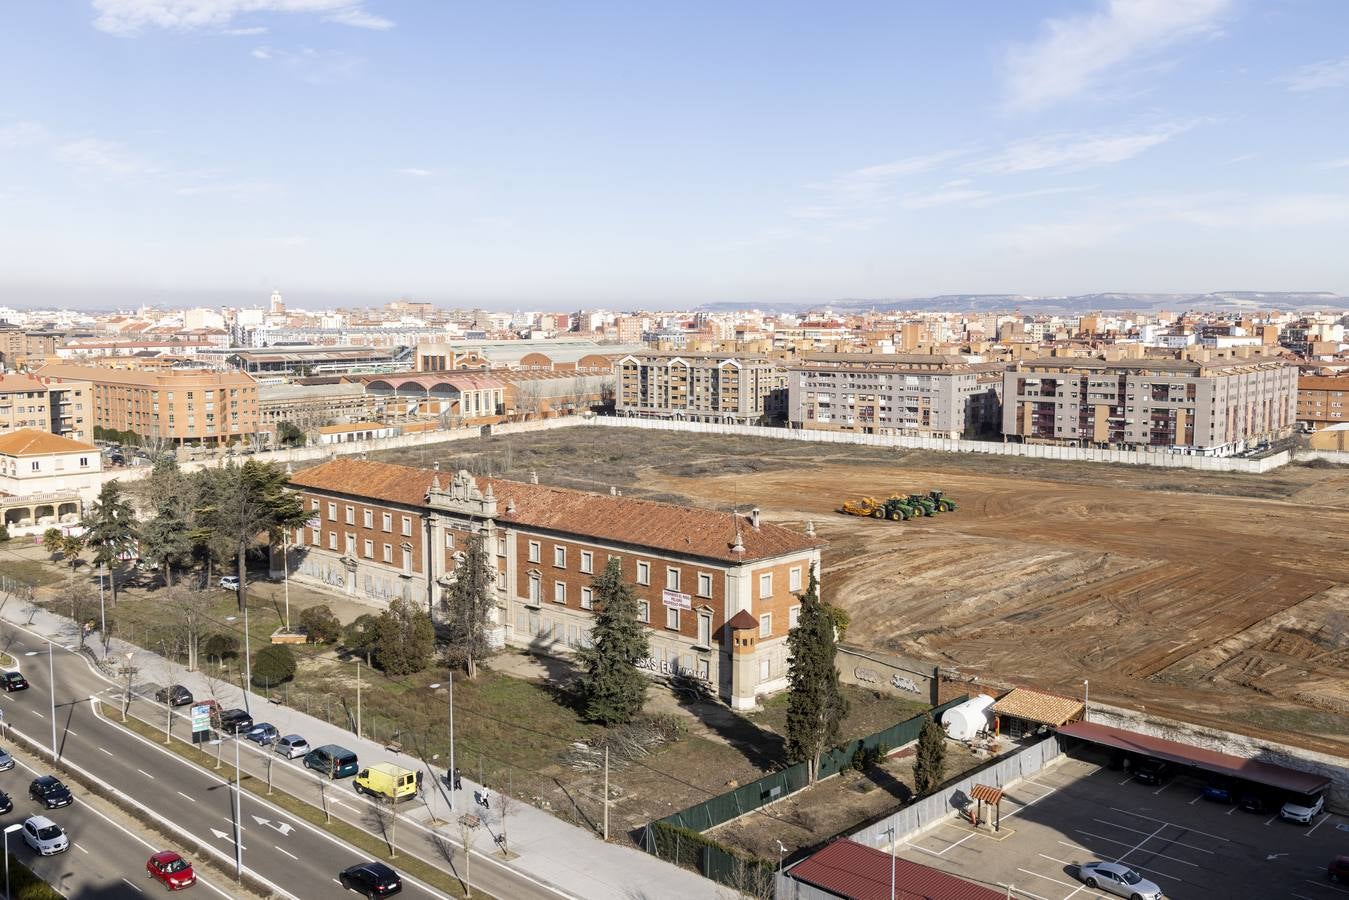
[[452, 769], [126, 697], [1086, 686], [8, 830], [102, 609], [781, 850], [238, 814]]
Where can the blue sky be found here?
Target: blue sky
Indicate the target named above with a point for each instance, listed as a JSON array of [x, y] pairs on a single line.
[[523, 155]]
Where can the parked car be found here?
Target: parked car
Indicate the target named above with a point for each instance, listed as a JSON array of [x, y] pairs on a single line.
[[235, 721], [13, 681], [6, 803], [175, 695], [1302, 809], [1338, 870], [292, 745], [1220, 790], [1152, 771], [333, 761], [171, 870], [45, 836], [6, 761], [229, 582], [1118, 879], [373, 879], [262, 733], [50, 792], [1254, 801]]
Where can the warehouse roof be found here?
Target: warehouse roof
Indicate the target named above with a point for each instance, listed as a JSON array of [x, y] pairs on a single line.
[[857, 872], [1037, 706]]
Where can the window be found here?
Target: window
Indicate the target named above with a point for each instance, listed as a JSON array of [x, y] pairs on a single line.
[[332, 512], [704, 584], [449, 540], [314, 536], [765, 669], [368, 518], [672, 618], [332, 540], [351, 544], [643, 611], [793, 616], [407, 560], [84, 461], [388, 553], [388, 521], [671, 579], [501, 546], [351, 515], [369, 549], [794, 579], [534, 551], [765, 585], [314, 504], [704, 629], [587, 598], [587, 562], [766, 625], [644, 573], [407, 526], [534, 590], [559, 557], [559, 592]]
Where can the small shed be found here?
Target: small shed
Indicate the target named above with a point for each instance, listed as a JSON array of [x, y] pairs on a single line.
[[1021, 712]]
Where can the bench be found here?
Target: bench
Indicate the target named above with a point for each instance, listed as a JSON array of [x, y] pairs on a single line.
[[394, 747]]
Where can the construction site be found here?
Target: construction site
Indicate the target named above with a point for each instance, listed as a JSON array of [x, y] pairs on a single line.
[[1215, 598]]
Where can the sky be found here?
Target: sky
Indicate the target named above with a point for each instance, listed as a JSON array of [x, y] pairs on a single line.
[[664, 155]]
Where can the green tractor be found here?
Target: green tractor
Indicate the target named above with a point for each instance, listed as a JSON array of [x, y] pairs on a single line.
[[944, 503], [923, 504], [898, 509]]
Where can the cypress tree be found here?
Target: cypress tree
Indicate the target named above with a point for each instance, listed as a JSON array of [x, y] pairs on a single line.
[[468, 605], [929, 762], [815, 705], [613, 689]]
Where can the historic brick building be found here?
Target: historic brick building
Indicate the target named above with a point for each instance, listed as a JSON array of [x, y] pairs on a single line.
[[380, 531]]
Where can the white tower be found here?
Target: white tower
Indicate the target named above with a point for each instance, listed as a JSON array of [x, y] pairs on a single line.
[[277, 306]]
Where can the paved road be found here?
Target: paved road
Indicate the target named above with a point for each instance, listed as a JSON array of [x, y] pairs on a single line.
[[297, 858]]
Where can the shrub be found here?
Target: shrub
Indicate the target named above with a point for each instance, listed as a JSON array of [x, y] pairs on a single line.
[[220, 645], [322, 625], [4, 532], [273, 665], [359, 635]]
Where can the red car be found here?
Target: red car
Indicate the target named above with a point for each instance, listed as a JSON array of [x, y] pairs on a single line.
[[171, 870], [1338, 870]]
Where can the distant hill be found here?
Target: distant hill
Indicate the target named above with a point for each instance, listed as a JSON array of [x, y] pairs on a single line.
[[1074, 305]]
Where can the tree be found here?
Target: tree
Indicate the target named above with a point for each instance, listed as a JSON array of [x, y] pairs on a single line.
[[929, 762], [359, 636], [468, 605], [815, 705], [245, 501], [404, 639], [71, 547], [51, 541], [78, 602], [166, 540], [4, 532], [111, 530], [273, 665], [323, 626], [190, 614], [613, 689], [288, 434]]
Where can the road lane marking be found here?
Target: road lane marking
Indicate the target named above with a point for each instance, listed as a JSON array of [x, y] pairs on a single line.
[[1329, 887], [185, 796], [1127, 780], [79, 848], [36, 713], [1317, 825], [1168, 840], [287, 852], [1162, 788], [1216, 837], [104, 750], [1199, 797], [146, 774], [1271, 818], [1136, 846], [137, 887]]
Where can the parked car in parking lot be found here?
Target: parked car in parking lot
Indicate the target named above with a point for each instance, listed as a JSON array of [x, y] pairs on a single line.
[[262, 733], [1220, 790], [235, 721], [1302, 809], [229, 582], [6, 803], [50, 792], [45, 836], [6, 761], [14, 681], [1254, 801], [1152, 771], [292, 745], [1118, 879]]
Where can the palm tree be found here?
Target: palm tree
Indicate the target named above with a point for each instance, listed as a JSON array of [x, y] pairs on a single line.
[[110, 530]]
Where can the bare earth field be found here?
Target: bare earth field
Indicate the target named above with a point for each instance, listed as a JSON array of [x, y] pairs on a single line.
[[1213, 598]]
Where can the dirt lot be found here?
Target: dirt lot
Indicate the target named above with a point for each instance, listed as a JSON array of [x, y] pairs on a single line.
[[1219, 599]]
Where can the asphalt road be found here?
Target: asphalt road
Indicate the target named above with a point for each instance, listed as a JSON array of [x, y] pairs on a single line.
[[297, 858]]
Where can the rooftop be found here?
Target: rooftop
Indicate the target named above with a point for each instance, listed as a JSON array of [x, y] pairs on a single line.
[[32, 442], [1037, 706], [857, 872]]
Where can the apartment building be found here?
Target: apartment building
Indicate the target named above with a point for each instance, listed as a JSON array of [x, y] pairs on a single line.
[[889, 393], [182, 406], [718, 591], [701, 387], [19, 347], [1321, 400], [1216, 407], [62, 408]]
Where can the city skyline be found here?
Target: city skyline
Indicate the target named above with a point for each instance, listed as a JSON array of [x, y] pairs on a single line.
[[206, 152]]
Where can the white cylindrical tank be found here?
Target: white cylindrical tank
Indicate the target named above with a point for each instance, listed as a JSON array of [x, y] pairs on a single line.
[[963, 722]]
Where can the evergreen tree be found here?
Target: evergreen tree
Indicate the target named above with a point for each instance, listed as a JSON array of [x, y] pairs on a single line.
[[613, 689], [815, 705], [929, 763], [245, 501], [404, 639], [468, 604], [166, 540], [111, 530]]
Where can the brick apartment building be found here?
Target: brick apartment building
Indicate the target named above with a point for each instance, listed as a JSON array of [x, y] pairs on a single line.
[[701, 387], [19, 347], [62, 408], [718, 591], [1216, 407], [1322, 399], [875, 393], [182, 406]]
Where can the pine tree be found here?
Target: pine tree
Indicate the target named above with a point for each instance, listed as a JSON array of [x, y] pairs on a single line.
[[110, 530], [613, 689], [404, 639], [929, 763], [166, 539], [242, 502], [468, 605], [815, 705]]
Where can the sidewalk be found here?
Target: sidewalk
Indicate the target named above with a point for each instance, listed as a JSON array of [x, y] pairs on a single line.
[[551, 851]]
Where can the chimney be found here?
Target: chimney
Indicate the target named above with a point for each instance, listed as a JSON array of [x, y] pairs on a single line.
[[436, 465], [613, 491], [510, 505], [754, 518]]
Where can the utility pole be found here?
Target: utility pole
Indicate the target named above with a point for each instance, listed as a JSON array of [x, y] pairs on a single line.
[[606, 792], [102, 609], [51, 685], [358, 696], [452, 769], [248, 661], [238, 814], [285, 571]]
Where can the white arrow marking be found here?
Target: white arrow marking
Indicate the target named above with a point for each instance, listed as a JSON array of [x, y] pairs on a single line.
[[284, 827], [1275, 856], [221, 834]]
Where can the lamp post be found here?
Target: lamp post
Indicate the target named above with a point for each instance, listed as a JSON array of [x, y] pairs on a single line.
[[102, 609], [126, 697], [358, 696], [891, 832], [238, 814], [781, 851], [51, 689], [452, 769], [9, 829], [1086, 686], [248, 662]]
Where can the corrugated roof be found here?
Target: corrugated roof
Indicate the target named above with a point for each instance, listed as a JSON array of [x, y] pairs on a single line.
[[690, 531], [31, 442], [1037, 706], [858, 872], [1269, 774]]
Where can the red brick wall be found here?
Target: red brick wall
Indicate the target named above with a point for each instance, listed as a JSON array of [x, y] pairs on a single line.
[[376, 534]]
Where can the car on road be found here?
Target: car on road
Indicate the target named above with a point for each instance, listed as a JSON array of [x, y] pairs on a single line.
[[1152, 771], [6, 803], [171, 870], [6, 761], [229, 582], [292, 745], [49, 791], [13, 681], [373, 879], [262, 733], [235, 721], [1302, 809], [45, 836], [1338, 870], [1220, 790], [1118, 879], [174, 695]]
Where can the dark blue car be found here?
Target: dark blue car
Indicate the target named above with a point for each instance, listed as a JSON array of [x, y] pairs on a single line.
[[1220, 790], [262, 733]]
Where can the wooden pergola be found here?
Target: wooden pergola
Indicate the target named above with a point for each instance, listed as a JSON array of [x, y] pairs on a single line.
[[983, 793]]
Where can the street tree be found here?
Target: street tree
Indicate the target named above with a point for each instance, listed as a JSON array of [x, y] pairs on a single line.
[[929, 762], [190, 613], [816, 706], [468, 605], [288, 434], [242, 502], [405, 640], [613, 689], [78, 602], [166, 540], [360, 635], [110, 530], [321, 623]]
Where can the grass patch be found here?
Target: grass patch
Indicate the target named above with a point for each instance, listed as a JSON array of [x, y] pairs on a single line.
[[368, 843], [868, 712], [25, 885], [35, 571]]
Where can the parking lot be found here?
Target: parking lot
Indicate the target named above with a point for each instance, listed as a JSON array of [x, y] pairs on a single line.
[[1078, 811]]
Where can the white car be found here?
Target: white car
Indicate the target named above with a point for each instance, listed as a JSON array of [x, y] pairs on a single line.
[[45, 836], [1118, 879], [229, 582], [1303, 809]]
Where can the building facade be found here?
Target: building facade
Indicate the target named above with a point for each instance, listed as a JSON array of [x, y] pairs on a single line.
[[701, 387], [1214, 408], [718, 592], [187, 406], [44, 478], [1321, 400], [63, 408], [309, 406], [913, 394]]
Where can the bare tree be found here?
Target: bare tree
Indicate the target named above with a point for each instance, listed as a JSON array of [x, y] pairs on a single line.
[[271, 758], [468, 828], [380, 814], [191, 607]]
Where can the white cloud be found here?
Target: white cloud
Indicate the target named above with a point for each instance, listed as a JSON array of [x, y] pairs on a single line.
[[951, 197], [1338, 163], [21, 134], [261, 53], [1075, 52], [1320, 76], [245, 32], [310, 65], [1075, 151], [130, 17], [414, 172], [104, 157]]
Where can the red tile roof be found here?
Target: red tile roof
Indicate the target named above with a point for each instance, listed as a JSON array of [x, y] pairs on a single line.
[[858, 872], [32, 442], [689, 531]]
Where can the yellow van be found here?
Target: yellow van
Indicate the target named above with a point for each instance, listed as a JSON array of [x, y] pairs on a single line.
[[387, 780]]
